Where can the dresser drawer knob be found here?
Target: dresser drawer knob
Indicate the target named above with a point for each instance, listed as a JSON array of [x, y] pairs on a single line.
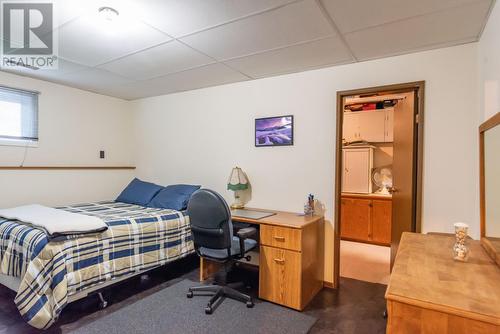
[[280, 261], [279, 238]]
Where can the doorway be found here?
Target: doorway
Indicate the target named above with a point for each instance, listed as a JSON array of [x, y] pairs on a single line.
[[370, 191]]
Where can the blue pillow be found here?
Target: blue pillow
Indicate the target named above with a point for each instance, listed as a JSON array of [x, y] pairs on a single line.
[[139, 192], [175, 197]]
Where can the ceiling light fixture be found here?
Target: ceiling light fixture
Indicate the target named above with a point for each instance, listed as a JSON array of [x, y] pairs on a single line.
[[108, 13]]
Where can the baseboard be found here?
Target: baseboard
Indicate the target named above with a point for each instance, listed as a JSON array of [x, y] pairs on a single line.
[[328, 285]]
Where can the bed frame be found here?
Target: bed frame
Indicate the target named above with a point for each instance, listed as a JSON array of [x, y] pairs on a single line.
[[13, 284]]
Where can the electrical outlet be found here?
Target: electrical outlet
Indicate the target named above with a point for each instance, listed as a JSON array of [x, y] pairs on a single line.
[[101, 154]]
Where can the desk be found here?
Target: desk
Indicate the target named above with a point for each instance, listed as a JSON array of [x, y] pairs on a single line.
[[430, 293], [291, 255]]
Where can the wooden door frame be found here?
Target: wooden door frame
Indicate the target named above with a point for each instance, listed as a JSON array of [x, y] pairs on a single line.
[[419, 86]]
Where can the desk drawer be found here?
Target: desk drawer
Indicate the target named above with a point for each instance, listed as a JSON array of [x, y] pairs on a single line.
[[280, 276], [280, 237]]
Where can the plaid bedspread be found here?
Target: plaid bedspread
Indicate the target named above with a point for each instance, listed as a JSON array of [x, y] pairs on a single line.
[[137, 239]]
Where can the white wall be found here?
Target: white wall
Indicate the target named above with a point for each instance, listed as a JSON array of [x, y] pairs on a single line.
[[198, 136], [489, 66], [74, 126]]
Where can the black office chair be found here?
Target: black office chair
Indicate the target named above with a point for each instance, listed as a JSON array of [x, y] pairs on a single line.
[[212, 230]]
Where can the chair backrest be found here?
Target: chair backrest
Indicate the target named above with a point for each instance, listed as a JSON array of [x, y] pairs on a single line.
[[210, 219]]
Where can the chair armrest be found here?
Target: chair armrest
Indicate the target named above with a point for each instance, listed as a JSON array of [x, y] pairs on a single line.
[[247, 232], [243, 234]]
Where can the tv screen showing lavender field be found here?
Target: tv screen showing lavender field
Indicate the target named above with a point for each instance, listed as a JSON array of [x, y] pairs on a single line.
[[274, 131]]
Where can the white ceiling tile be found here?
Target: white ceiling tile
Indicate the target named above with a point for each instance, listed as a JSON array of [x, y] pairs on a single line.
[[353, 15], [64, 67], [182, 17], [200, 77], [457, 25], [68, 10], [158, 61], [295, 23], [90, 40], [324, 52], [94, 79]]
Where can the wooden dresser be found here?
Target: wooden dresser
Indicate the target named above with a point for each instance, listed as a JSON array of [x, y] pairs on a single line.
[[430, 293], [366, 218], [291, 257]]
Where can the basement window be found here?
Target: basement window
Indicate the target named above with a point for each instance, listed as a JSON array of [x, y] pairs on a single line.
[[18, 117]]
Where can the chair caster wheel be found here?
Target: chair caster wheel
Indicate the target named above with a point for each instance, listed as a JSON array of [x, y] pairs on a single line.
[[208, 310], [189, 294], [250, 304]]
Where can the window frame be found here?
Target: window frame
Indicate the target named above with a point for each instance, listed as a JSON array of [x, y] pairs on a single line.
[[23, 142]]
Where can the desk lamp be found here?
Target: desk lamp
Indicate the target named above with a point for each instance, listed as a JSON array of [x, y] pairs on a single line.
[[237, 182]]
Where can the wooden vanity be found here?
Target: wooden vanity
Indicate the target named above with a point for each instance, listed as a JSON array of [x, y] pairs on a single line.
[[431, 293]]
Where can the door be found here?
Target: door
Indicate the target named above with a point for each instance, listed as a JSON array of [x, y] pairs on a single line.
[[407, 166], [404, 170], [389, 125], [357, 169], [372, 126], [350, 129], [356, 219], [381, 221], [280, 278]]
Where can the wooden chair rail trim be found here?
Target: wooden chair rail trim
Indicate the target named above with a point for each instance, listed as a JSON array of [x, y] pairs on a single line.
[[444, 309], [66, 167]]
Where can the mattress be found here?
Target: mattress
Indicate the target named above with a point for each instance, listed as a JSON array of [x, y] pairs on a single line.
[[137, 239]]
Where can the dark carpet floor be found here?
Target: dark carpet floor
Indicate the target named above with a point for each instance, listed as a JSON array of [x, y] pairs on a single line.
[[355, 308], [169, 311]]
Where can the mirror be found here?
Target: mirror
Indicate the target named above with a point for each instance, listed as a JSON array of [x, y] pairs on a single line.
[[489, 135]]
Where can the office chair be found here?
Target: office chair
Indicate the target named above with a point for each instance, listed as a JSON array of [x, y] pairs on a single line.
[[212, 231]]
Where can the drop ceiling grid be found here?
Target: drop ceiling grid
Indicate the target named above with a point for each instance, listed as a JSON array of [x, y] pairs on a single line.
[[102, 65], [324, 32]]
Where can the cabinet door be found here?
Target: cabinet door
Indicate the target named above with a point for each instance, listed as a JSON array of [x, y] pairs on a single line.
[[355, 218], [280, 276], [357, 168], [372, 126], [389, 125], [350, 127], [382, 221]]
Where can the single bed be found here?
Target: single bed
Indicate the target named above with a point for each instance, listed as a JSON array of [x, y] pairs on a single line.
[[49, 274]]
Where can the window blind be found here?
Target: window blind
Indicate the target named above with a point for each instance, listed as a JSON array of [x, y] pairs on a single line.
[[18, 114]]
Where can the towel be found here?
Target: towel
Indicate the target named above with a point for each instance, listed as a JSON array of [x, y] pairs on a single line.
[[55, 222]]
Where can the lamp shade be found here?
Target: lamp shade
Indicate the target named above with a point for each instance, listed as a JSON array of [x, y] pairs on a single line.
[[237, 180]]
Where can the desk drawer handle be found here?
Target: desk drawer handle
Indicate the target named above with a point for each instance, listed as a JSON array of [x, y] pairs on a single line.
[[280, 261], [279, 238]]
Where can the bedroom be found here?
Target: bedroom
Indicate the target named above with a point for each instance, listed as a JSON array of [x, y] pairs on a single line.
[[179, 118]]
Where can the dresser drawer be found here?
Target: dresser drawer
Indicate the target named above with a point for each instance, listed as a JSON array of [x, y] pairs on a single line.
[[280, 237], [280, 276]]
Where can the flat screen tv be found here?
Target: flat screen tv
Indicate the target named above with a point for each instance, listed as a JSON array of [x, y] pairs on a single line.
[[274, 131]]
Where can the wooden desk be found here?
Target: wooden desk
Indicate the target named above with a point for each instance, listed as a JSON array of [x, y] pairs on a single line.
[[429, 292], [291, 258]]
